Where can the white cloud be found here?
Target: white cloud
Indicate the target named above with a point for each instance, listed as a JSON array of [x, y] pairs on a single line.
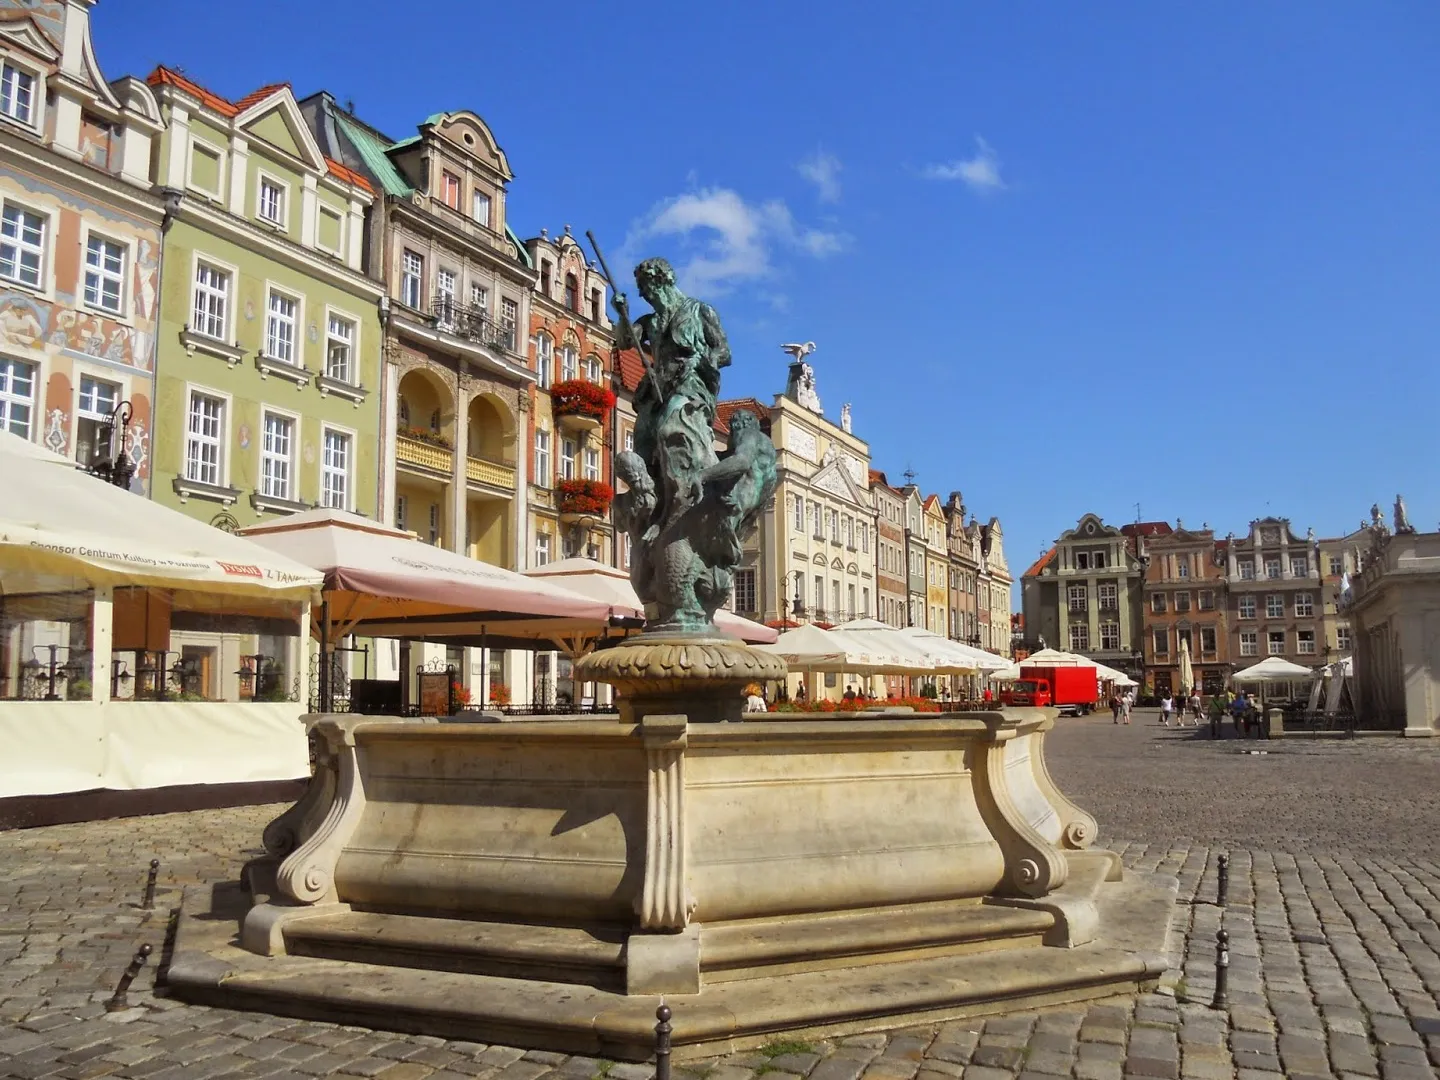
[[724, 240], [981, 172], [822, 170]]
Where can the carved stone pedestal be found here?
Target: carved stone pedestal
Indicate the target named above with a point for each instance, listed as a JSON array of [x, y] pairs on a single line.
[[699, 677]]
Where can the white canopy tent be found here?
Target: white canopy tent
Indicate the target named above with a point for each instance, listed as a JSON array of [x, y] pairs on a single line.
[[79, 557], [1273, 669], [810, 648], [947, 656], [898, 654]]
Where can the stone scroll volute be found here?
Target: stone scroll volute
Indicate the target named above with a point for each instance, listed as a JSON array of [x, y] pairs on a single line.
[[1033, 866], [307, 876]]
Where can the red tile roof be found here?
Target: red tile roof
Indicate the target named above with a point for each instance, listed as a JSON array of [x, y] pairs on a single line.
[[350, 176], [256, 96], [932, 498], [631, 368], [724, 410], [163, 76], [1040, 564]]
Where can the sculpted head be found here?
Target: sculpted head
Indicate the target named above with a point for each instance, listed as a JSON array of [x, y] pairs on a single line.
[[653, 277], [742, 422]]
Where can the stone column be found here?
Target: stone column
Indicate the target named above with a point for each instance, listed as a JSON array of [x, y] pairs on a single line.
[[459, 490]]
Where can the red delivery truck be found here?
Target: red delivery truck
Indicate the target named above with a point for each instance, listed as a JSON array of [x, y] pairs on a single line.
[[1073, 690]]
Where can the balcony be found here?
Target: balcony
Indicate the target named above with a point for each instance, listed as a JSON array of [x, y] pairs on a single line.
[[473, 324], [583, 498], [426, 450], [580, 404], [490, 473]]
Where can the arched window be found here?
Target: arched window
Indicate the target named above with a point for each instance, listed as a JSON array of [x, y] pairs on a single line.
[[544, 360], [572, 293], [593, 371]]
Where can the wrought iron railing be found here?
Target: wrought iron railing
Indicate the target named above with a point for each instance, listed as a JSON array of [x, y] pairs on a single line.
[[471, 323]]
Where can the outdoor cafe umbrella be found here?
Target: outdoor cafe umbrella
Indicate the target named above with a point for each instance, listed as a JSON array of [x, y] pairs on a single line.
[[1187, 670], [811, 648], [1271, 670]]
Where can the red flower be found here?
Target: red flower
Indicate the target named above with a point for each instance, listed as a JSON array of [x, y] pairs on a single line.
[[581, 396], [584, 496]]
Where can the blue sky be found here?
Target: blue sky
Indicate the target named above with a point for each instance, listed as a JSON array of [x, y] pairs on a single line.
[[1061, 258]]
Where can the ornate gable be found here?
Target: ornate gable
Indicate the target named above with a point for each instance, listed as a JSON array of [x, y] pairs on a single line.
[[275, 120]]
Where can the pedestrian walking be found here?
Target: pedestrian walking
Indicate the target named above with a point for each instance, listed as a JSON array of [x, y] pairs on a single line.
[[1167, 706], [1115, 706], [1195, 707], [1126, 704]]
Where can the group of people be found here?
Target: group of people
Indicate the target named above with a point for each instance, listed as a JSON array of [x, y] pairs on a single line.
[[1176, 707]]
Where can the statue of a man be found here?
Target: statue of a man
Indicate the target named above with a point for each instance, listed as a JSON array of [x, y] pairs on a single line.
[[689, 516], [1402, 518]]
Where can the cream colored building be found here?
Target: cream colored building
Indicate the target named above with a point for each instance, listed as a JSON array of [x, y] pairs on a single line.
[[994, 587], [937, 567]]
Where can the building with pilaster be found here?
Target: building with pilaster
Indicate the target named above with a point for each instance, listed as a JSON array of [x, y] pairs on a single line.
[[269, 331], [1339, 563], [890, 572], [994, 587], [1275, 606], [572, 411], [80, 240], [937, 567], [1185, 600], [964, 570]]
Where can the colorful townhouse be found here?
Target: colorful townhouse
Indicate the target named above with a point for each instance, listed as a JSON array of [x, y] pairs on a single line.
[[79, 241], [269, 332]]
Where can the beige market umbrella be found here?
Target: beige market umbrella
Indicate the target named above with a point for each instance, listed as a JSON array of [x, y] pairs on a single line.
[[1187, 670]]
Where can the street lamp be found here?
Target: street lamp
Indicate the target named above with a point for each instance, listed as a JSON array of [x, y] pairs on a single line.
[[791, 594], [110, 464]]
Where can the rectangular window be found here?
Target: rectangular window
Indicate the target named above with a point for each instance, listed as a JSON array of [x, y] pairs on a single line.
[[17, 94], [22, 245], [1342, 638], [847, 530], [819, 591], [1247, 607], [335, 471], [1272, 569], [280, 328], [412, 279], [592, 370], [212, 301], [865, 599], [97, 403], [1082, 560], [277, 456], [1161, 640], [567, 459], [1246, 567], [544, 360], [625, 543], [1207, 600], [1299, 566], [569, 362], [509, 316], [865, 536], [818, 524], [834, 516], [272, 202], [744, 590], [630, 446], [204, 431], [1337, 565], [434, 534], [542, 549], [1079, 637], [1249, 645], [1107, 593], [1183, 569], [450, 190], [1277, 642], [1274, 605], [1305, 642], [104, 274], [1110, 636], [592, 467], [17, 397], [1182, 601], [480, 207], [542, 458], [479, 298], [328, 230], [1207, 641], [1157, 603], [594, 305], [1304, 604], [400, 507], [835, 599], [339, 349], [799, 505]]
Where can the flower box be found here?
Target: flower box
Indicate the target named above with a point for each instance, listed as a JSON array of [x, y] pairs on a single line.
[[581, 397], [584, 497]]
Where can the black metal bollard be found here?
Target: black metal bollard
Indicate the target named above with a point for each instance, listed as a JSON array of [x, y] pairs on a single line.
[[118, 1001], [1222, 970], [662, 1042], [149, 903], [1222, 880]]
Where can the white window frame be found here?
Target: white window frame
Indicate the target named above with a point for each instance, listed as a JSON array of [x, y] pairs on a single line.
[[1160, 641], [232, 278], [1303, 647], [1214, 640], [1245, 606], [1109, 636], [263, 178], [1107, 589], [196, 141], [1182, 608], [569, 458], [1245, 569], [542, 458], [1079, 637], [1308, 610], [1270, 637], [1274, 601], [290, 458], [592, 370], [1278, 565], [1300, 566], [590, 463], [1344, 638], [45, 283], [352, 443], [226, 419], [542, 548], [799, 510], [127, 260], [81, 413], [569, 362], [1249, 643], [480, 297], [33, 122], [297, 350], [406, 278], [477, 194], [354, 323], [9, 399], [544, 360], [321, 211]]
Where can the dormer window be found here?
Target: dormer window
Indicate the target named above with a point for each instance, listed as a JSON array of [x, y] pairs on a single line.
[[481, 208], [450, 190], [272, 201], [545, 277], [572, 293], [594, 305], [17, 94]]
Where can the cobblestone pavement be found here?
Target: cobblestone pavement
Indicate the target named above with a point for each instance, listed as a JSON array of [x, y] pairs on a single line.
[[1335, 947]]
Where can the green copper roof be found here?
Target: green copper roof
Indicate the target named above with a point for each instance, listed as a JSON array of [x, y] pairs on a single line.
[[524, 253], [372, 151]]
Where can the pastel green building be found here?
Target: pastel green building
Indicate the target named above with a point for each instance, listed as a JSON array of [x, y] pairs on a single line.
[[269, 332]]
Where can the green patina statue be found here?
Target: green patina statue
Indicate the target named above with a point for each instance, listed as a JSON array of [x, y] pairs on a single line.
[[688, 509]]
